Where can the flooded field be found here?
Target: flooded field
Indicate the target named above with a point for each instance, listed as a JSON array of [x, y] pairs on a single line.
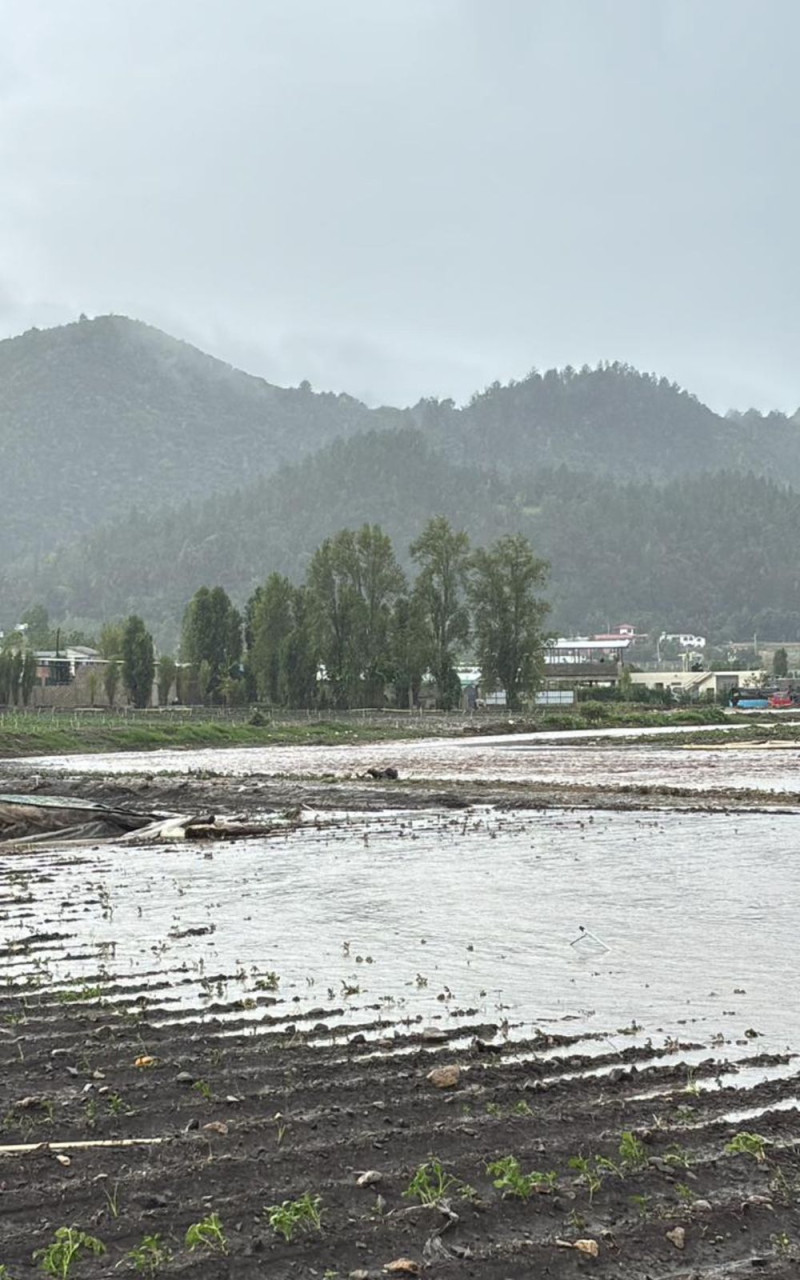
[[261, 1019], [561, 758]]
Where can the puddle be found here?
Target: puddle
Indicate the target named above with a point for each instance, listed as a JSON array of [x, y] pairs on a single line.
[[443, 918]]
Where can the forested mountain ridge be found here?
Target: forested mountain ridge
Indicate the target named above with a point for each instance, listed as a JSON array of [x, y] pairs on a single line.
[[706, 553], [136, 469], [102, 414], [612, 419]]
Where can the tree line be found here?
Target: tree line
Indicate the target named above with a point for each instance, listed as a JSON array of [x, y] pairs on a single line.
[[358, 622], [355, 632]]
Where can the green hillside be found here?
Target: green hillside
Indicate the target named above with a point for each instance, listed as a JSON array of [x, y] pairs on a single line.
[[613, 420], [707, 553], [105, 414]]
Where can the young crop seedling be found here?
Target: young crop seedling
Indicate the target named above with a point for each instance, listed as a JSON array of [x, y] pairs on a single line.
[[750, 1144], [292, 1216], [642, 1204], [677, 1156], [112, 1199], [204, 1089], [588, 1173], [509, 1178], [633, 1153], [207, 1234], [150, 1256], [684, 1192], [432, 1183], [59, 1258]]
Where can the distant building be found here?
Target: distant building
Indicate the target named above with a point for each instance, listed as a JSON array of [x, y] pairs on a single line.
[[693, 684], [622, 631], [684, 639]]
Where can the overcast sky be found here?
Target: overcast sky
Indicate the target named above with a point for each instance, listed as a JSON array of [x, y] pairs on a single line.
[[413, 197]]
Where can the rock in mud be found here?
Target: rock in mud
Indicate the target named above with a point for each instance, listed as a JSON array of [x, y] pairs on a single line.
[[370, 1178], [216, 1126], [184, 1077], [590, 1247], [445, 1077], [677, 1237], [403, 1266]]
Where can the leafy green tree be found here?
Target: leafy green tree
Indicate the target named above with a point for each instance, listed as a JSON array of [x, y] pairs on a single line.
[[109, 644], [5, 677], [167, 668], [442, 555], [111, 680], [780, 663], [39, 633], [509, 615], [27, 677], [268, 625], [138, 661], [353, 581], [212, 634], [301, 660], [408, 651], [17, 663]]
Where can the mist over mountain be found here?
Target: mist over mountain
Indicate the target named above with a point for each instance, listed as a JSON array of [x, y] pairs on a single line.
[[101, 415], [136, 469], [704, 553]]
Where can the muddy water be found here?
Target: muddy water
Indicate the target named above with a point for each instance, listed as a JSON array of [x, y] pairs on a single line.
[[556, 758], [441, 917]]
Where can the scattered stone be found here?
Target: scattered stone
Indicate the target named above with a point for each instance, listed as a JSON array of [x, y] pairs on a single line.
[[62, 1159], [360, 1274], [406, 1266], [193, 1124], [370, 1178], [701, 1206], [144, 1061], [445, 1077], [677, 1236], [590, 1247], [216, 1126], [433, 1034], [184, 1077]]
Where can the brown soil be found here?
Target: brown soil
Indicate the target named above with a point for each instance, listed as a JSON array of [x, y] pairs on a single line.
[[256, 794], [309, 1109]]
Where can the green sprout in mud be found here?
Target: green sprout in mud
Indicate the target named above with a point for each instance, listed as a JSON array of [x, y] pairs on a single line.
[[677, 1156], [5, 1274], [204, 1089], [432, 1183], [642, 1204], [150, 1256], [750, 1144], [633, 1153], [207, 1234], [112, 1199], [509, 1178], [781, 1242], [684, 1192], [291, 1216], [59, 1257], [268, 981], [588, 1174]]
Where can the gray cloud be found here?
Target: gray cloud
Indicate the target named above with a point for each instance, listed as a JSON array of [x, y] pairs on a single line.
[[407, 197]]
